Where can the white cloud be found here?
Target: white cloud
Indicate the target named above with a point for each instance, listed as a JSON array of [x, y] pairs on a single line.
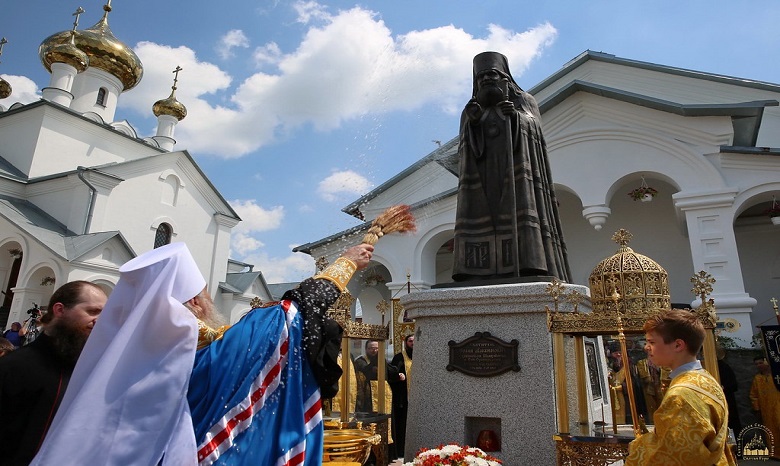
[[344, 182], [269, 53], [348, 65], [292, 268], [232, 39], [242, 244], [255, 218], [23, 90], [308, 11]]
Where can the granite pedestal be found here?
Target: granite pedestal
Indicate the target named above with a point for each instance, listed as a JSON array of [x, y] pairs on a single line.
[[450, 406]]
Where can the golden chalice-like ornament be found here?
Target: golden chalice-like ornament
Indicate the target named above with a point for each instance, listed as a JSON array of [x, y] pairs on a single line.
[[348, 447]]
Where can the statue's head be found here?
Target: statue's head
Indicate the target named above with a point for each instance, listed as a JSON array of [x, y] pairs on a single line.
[[492, 78], [491, 61]]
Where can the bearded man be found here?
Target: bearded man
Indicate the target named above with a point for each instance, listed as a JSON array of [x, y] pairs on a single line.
[[33, 378], [504, 181]]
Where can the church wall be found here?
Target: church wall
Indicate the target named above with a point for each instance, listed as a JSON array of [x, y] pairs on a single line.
[[85, 90], [655, 230], [67, 141], [672, 88], [64, 199], [19, 135], [135, 208], [759, 253]]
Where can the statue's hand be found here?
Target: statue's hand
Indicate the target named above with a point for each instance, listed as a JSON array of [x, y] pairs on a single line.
[[473, 110], [507, 107]]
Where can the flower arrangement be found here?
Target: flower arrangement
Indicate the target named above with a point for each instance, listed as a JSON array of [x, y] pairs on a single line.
[[453, 455], [641, 193]]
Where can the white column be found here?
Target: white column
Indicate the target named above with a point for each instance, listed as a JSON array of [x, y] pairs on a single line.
[[165, 127], [709, 218], [220, 251], [60, 85]]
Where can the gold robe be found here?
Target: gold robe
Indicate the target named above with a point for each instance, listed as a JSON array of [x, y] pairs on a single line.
[[691, 426], [765, 398]]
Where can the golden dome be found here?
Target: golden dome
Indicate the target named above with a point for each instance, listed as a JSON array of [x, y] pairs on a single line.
[[5, 88], [104, 51], [170, 106], [628, 282], [66, 53]]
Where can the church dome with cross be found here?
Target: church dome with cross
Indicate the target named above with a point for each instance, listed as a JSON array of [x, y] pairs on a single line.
[[627, 281], [102, 48]]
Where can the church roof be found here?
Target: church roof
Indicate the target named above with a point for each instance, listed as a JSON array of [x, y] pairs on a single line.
[[279, 289], [241, 282], [50, 233], [609, 58], [746, 116]]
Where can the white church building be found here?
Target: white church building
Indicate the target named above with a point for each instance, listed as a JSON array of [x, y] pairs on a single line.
[[81, 193], [709, 145]]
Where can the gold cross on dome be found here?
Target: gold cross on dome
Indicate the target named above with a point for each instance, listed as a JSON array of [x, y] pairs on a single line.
[[79, 11], [622, 237], [176, 76]]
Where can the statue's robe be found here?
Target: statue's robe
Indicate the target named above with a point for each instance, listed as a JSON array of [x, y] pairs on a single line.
[[765, 398], [483, 245], [691, 426]]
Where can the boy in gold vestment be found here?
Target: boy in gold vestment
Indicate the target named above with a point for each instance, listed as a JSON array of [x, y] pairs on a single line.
[[691, 424]]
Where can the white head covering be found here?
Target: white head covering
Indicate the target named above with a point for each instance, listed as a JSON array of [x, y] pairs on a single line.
[[127, 399]]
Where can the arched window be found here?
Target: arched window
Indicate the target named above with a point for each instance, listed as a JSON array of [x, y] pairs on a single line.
[[163, 235], [101, 97]]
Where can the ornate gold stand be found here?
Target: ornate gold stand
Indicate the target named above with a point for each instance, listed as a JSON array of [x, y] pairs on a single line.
[[626, 290], [376, 424]]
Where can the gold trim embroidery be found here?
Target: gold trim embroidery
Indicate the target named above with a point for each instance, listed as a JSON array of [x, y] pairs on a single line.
[[340, 272]]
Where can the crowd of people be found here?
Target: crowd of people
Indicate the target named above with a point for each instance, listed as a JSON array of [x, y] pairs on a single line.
[[151, 376], [155, 381]]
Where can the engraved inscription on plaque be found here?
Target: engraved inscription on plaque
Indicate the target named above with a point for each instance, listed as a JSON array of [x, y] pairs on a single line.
[[483, 355]]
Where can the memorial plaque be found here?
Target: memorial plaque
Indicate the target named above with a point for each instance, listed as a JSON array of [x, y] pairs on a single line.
[[483, 355]]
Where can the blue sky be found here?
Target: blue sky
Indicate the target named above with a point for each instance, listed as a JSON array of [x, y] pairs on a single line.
[[297, 108]]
